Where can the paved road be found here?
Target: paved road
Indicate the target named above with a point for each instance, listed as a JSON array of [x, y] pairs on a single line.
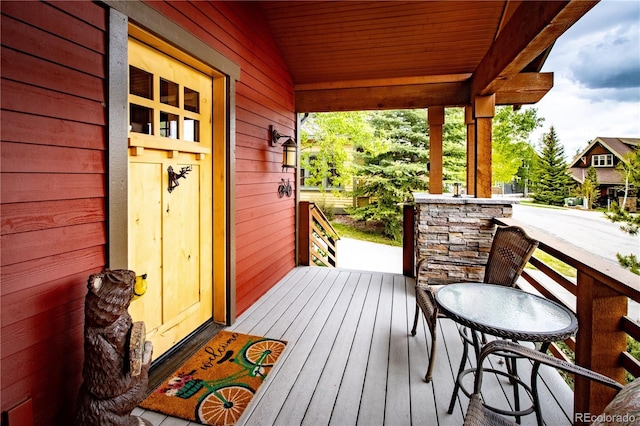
[[586, 229]]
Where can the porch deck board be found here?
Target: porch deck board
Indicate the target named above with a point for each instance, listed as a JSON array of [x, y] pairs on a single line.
[[350, 358]]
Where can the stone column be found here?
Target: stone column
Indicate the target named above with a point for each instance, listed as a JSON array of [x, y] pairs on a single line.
[[453, 236]]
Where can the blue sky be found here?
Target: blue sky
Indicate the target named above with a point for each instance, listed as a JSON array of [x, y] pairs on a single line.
[[596, 66]]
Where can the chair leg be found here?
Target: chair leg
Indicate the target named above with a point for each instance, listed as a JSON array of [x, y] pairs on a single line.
[[415, 320], [432, 357], [456, 388]]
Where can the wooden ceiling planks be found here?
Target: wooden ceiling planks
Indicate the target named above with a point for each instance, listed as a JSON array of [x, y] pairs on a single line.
[[330, 46], [323, 41]]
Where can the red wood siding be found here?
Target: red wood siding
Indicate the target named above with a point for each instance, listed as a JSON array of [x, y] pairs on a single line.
[[265, 231], [53, 165], [52, 222]]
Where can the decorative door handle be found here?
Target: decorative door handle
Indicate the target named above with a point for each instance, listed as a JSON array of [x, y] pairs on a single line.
[[173, 176]]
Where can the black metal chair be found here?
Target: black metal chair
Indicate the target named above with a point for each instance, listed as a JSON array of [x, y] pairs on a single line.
[[510, 251], [480, 414]]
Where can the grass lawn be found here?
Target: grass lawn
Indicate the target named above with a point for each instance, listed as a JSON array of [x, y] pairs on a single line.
[[348, 230]]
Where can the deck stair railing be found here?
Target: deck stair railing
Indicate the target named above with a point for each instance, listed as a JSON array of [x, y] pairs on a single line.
[[599, 295], [317, 238]]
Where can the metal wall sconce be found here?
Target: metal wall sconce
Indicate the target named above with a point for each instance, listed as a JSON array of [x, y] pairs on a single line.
[[289, 148], [456, 189]]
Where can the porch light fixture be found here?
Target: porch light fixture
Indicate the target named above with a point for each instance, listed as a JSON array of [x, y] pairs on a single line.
[[456, 189], [289, 148]]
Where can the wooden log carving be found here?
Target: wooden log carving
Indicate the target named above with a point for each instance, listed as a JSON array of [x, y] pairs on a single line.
[[116, 356]]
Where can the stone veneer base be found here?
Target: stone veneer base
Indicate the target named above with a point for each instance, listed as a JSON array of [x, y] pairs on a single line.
[[453, 236]]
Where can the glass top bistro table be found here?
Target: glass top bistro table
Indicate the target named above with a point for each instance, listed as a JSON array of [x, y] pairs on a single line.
[[508, 313]]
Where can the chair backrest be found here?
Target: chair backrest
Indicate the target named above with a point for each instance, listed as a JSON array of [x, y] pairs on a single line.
[[624, 408], [511, 249]]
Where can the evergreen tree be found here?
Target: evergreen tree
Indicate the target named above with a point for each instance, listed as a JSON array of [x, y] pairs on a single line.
[[454, 146], [388, 173], [630, 225], [630, 170], [550, 179]]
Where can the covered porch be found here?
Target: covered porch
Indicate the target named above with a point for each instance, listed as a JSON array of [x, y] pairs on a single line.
[[351, 359]]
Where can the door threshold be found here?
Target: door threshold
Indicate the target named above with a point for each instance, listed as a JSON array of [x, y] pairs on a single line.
[[171, 360]]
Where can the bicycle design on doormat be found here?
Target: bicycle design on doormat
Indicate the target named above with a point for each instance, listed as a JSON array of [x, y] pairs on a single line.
[[224, 400]]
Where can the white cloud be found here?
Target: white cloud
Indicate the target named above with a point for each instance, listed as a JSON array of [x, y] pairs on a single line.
[[596, 66]]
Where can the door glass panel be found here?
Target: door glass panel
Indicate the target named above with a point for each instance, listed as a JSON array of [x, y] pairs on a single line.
[[191, 100], [140, 119], [191, 130], [140, 83], [168, 125], [169, 92]]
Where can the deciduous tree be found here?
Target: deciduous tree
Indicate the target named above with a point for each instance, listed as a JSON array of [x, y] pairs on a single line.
[[589, 187], [511, 150], [325, 141]]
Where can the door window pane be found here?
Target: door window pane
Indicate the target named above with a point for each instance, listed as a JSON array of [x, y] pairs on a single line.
[[191, 130], [168, 125], [191, 100], [140, 119], [140, 83], [169, 92]]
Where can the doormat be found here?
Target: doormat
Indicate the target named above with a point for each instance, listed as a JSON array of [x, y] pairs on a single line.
[[216, 384]]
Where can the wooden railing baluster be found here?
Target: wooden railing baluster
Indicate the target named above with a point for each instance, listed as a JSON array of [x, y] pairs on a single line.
[[317, 238]]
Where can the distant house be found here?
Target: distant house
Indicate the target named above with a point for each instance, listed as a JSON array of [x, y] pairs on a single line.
[[333, 194], [604, 154]]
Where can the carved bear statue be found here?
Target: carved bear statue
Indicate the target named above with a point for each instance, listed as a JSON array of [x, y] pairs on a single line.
[[116, 356]]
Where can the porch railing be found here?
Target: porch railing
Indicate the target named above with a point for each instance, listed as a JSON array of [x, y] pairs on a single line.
[[599, 296], [317, 238]]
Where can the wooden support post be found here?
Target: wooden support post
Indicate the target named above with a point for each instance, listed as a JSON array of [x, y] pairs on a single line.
[[599, 342], [471, 149], [435, 115], [484, 109], [408, 238], [303, 233]]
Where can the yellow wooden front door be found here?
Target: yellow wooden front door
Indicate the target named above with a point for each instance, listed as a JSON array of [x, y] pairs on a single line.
[[170, 216]]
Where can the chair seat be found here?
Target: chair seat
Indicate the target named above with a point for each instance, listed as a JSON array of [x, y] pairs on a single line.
[[478, 415], [624, 409]]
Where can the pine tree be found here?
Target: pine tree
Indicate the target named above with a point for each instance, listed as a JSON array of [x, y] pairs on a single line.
[[389, 173], [551, 180]]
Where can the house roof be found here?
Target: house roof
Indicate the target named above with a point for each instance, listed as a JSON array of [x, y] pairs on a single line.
[[605, 175], [617, 146], [359, 55]]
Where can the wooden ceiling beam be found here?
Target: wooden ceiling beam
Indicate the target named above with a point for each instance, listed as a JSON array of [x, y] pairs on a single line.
[[381, 82], [382, 97], [525, 88], [418, 92], [533, 27]]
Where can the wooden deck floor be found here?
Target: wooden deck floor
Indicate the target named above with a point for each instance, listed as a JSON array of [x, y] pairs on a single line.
[[351, 359]]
